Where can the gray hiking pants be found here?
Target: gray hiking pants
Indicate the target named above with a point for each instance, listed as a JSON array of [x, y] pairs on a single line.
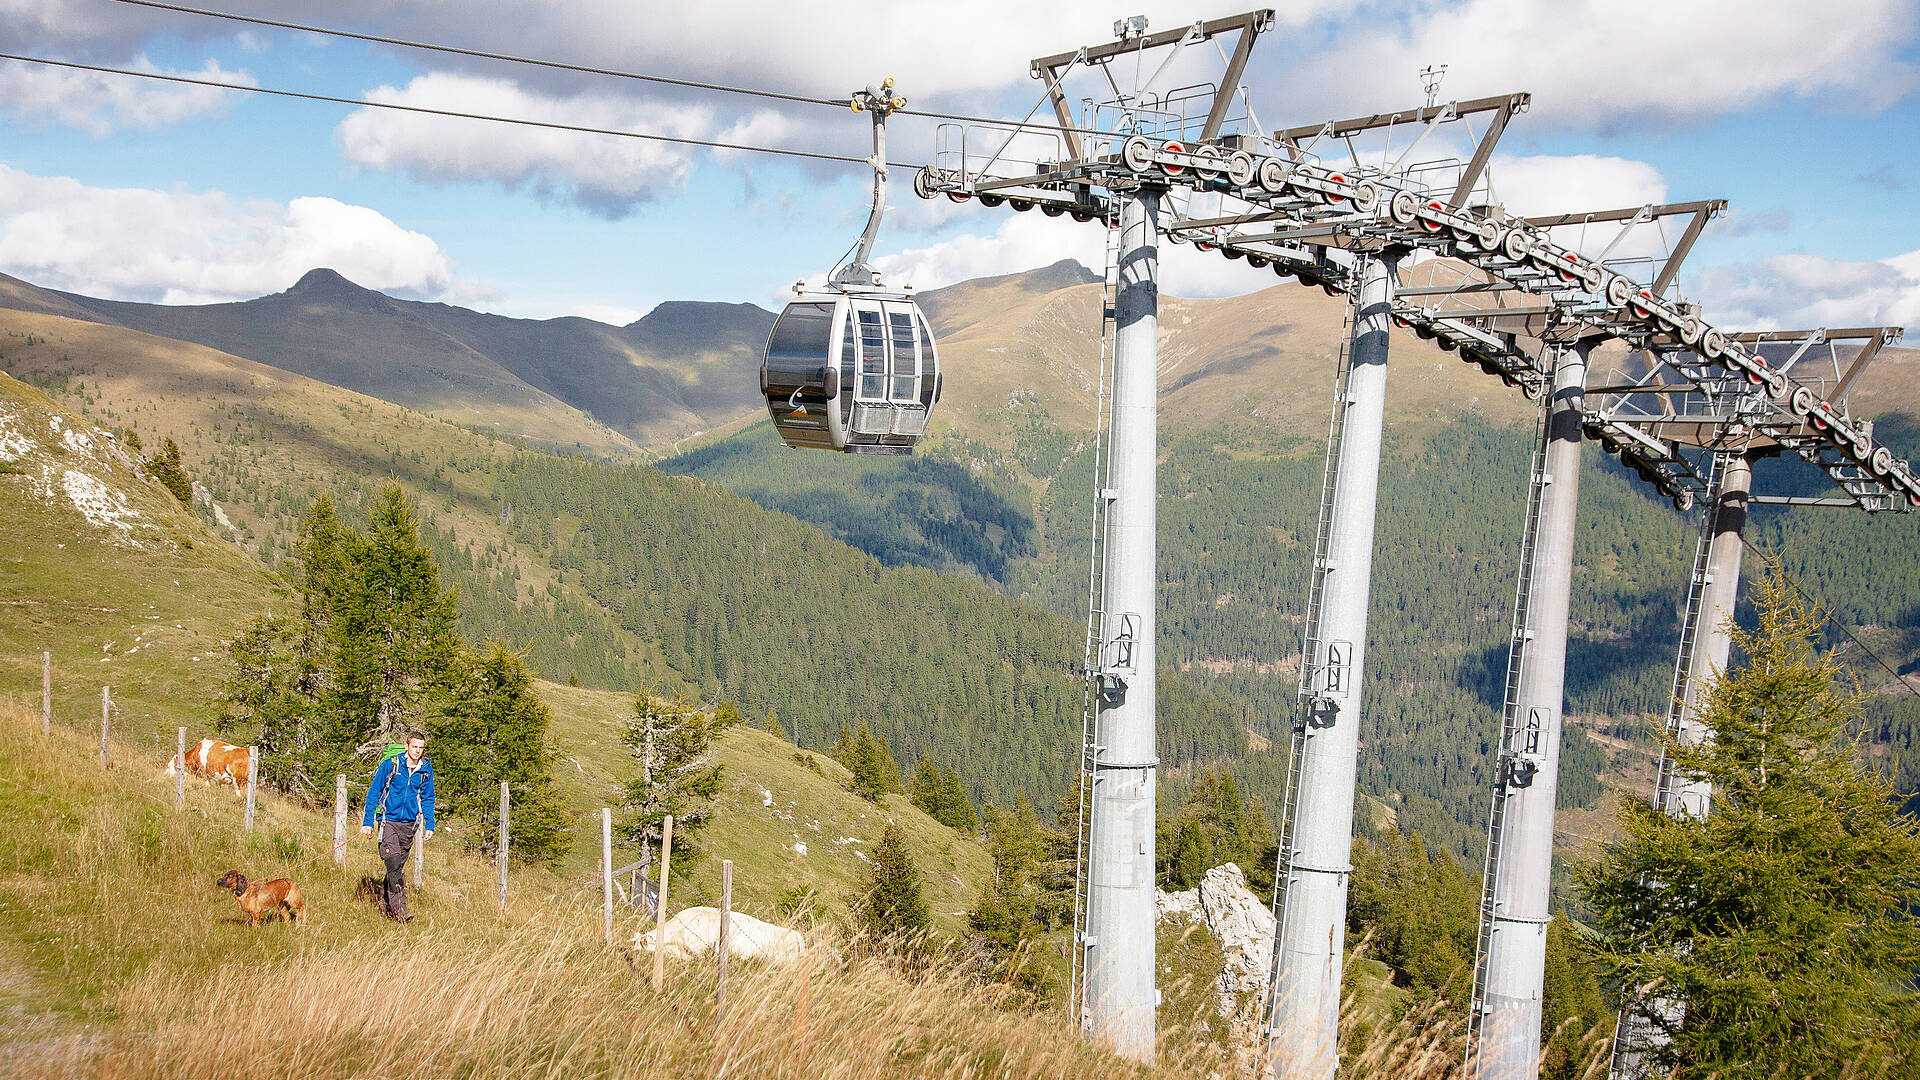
[[396, 844]]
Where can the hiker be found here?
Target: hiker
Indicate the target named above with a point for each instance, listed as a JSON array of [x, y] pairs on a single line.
[[401, 797]]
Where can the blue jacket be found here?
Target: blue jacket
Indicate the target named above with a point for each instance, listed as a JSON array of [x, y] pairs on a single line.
[[399, 793]]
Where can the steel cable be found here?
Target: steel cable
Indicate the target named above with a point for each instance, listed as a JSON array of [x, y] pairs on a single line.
[[454, 113]]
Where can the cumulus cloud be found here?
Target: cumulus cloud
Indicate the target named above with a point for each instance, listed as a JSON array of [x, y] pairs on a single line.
[[811, 45], [178, 247], [1600, 63], [605, 174], [1558, 184], [1800, 290], [100, 104], [1030, 240], [1021, 242]]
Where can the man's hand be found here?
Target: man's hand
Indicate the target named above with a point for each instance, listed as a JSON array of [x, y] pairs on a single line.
[[366, 832], [429, 835]]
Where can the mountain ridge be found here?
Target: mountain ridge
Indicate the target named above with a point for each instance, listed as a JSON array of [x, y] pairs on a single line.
[[570, 383]]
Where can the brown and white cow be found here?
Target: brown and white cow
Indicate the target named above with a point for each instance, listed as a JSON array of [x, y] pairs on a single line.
[[215, 762]]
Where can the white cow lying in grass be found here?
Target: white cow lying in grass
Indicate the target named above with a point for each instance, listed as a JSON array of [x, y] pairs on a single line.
[[695, 932]]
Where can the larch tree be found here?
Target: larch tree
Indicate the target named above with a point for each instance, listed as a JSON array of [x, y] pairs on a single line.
[[1780, 927], [672, 743]]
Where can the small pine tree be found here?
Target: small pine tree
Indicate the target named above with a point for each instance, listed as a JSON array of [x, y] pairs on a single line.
[[495, 729], [867, 757], [1779, 925], [894, 908], [165, 467], [942, 795], [1216, 826], [1013, 907], [956, 805]]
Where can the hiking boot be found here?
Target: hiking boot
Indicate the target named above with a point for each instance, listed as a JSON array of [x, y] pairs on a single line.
[[405, 916]]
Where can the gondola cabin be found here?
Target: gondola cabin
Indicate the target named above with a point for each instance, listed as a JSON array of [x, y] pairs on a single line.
[[851, 372]]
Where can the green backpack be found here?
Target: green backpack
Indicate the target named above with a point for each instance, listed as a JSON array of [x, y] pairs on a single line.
[[394, 750]]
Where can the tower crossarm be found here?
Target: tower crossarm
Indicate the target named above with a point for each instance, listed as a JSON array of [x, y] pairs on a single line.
[[1515, 281]]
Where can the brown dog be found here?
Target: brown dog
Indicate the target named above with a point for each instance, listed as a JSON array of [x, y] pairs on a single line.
[[265, 897]]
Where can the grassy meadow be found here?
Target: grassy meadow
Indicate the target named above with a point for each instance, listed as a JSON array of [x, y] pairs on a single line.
[[124, 960]]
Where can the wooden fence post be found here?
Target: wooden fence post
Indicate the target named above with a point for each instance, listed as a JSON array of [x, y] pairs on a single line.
[[253, 781], [180, 773], [726, 920], [419, 852], [606, 874], [106, 706], [340, 819], [500, 847], [46, 693], [660, 909]]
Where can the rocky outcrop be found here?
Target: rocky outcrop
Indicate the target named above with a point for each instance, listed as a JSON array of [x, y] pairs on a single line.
[[1243, 924]]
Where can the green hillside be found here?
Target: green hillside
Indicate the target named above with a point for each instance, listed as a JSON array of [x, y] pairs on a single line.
[[1009, 471], [620, 577], [145, 609]]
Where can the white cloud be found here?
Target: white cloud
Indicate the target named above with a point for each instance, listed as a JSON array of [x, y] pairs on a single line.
[[1800, 290], [1605, 62], [100, 104], [605, 174], [815, 46], [1024, 241], [1546, 184], [180, 247], [1021, 242]]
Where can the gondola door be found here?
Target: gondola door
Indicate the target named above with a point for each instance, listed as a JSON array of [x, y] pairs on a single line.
[[905, 352]]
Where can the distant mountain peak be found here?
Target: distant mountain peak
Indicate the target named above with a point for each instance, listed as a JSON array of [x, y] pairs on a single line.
[[321, 277], [322, 285]]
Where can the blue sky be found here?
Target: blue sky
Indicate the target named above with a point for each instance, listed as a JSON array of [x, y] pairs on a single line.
[[1805, 116]]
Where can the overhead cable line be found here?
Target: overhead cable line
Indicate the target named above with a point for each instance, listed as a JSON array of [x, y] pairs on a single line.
[[1779, 568], [481, 54], [584, 69], [454, 113]]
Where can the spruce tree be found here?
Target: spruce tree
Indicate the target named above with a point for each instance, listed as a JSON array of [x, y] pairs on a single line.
[[495, 729], [924, 788], [867, 757], [943, 796], [1216, 826], [393, 625], [1780, 925], [1014, 907], [894, 908], [166, 468]]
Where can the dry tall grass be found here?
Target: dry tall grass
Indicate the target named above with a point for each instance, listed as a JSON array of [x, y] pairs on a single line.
[[105, 891]]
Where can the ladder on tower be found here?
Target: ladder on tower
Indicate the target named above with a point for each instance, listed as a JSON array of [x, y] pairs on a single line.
[[1311, 660], [1092, 656], [1689, 632], [1508, 762]]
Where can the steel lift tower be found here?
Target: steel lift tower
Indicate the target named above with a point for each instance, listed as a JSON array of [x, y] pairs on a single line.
[[1117, 943], [1505, 1022], [1526, 299], [1304, 1014]]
